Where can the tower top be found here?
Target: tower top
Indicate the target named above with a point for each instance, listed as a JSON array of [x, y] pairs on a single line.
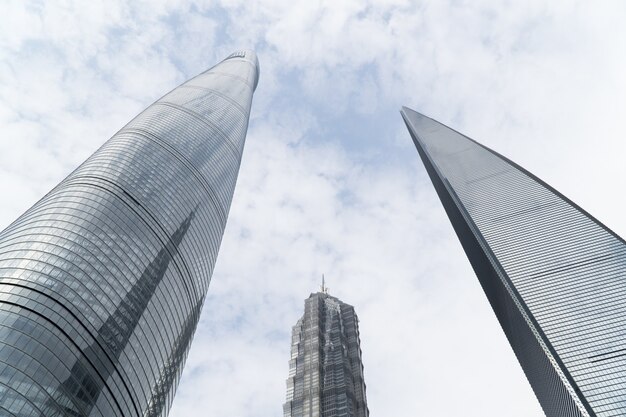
[[324, 288]]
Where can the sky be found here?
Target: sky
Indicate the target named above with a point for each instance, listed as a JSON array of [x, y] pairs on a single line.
[[330, 182]]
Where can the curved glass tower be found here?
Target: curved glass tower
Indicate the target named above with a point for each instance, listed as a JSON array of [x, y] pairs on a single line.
[[102, 281], [554, 275]]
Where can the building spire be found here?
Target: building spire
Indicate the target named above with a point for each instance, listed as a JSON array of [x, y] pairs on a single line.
[[324, 288]]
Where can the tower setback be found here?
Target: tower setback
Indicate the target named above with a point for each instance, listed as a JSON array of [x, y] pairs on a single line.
[[326, 368]]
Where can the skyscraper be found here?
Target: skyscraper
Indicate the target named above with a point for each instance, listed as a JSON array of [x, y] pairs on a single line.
[[102, 281], [554, 275], [326, 369]]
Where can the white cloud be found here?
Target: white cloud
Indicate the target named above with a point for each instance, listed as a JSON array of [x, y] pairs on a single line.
[[330, 181], [383, 242]]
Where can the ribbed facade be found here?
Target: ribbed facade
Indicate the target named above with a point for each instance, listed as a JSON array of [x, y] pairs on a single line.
[[102, 281], [326, 368], [555, 276]]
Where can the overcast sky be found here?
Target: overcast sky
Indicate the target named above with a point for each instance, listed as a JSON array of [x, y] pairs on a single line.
[[330, 181]]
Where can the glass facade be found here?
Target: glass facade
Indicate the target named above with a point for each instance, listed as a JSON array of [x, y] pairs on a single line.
[[326, 368], [555, 276], [102, 281]]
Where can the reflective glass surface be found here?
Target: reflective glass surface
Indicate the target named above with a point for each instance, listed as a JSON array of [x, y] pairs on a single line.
[[326, 368], [102, 281], [562, 270]]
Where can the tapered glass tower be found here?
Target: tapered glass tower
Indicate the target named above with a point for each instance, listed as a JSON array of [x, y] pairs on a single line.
[[102, 281], [555, 276], [326, 369]]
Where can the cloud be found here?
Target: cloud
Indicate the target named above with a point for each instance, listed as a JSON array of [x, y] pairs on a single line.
[[330, 182], [309, 209]]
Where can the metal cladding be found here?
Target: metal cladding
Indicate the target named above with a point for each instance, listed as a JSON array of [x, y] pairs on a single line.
[[554, 275], [326, 368], [102, 281]]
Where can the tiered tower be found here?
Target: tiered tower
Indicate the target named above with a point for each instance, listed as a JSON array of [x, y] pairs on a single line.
[[326, 368]]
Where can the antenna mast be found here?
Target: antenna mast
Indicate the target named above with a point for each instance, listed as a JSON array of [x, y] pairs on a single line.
[[324, 287]]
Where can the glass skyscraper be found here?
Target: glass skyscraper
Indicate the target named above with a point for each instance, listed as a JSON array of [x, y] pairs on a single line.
[[102, 281], [554, 275], [326, 368]]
